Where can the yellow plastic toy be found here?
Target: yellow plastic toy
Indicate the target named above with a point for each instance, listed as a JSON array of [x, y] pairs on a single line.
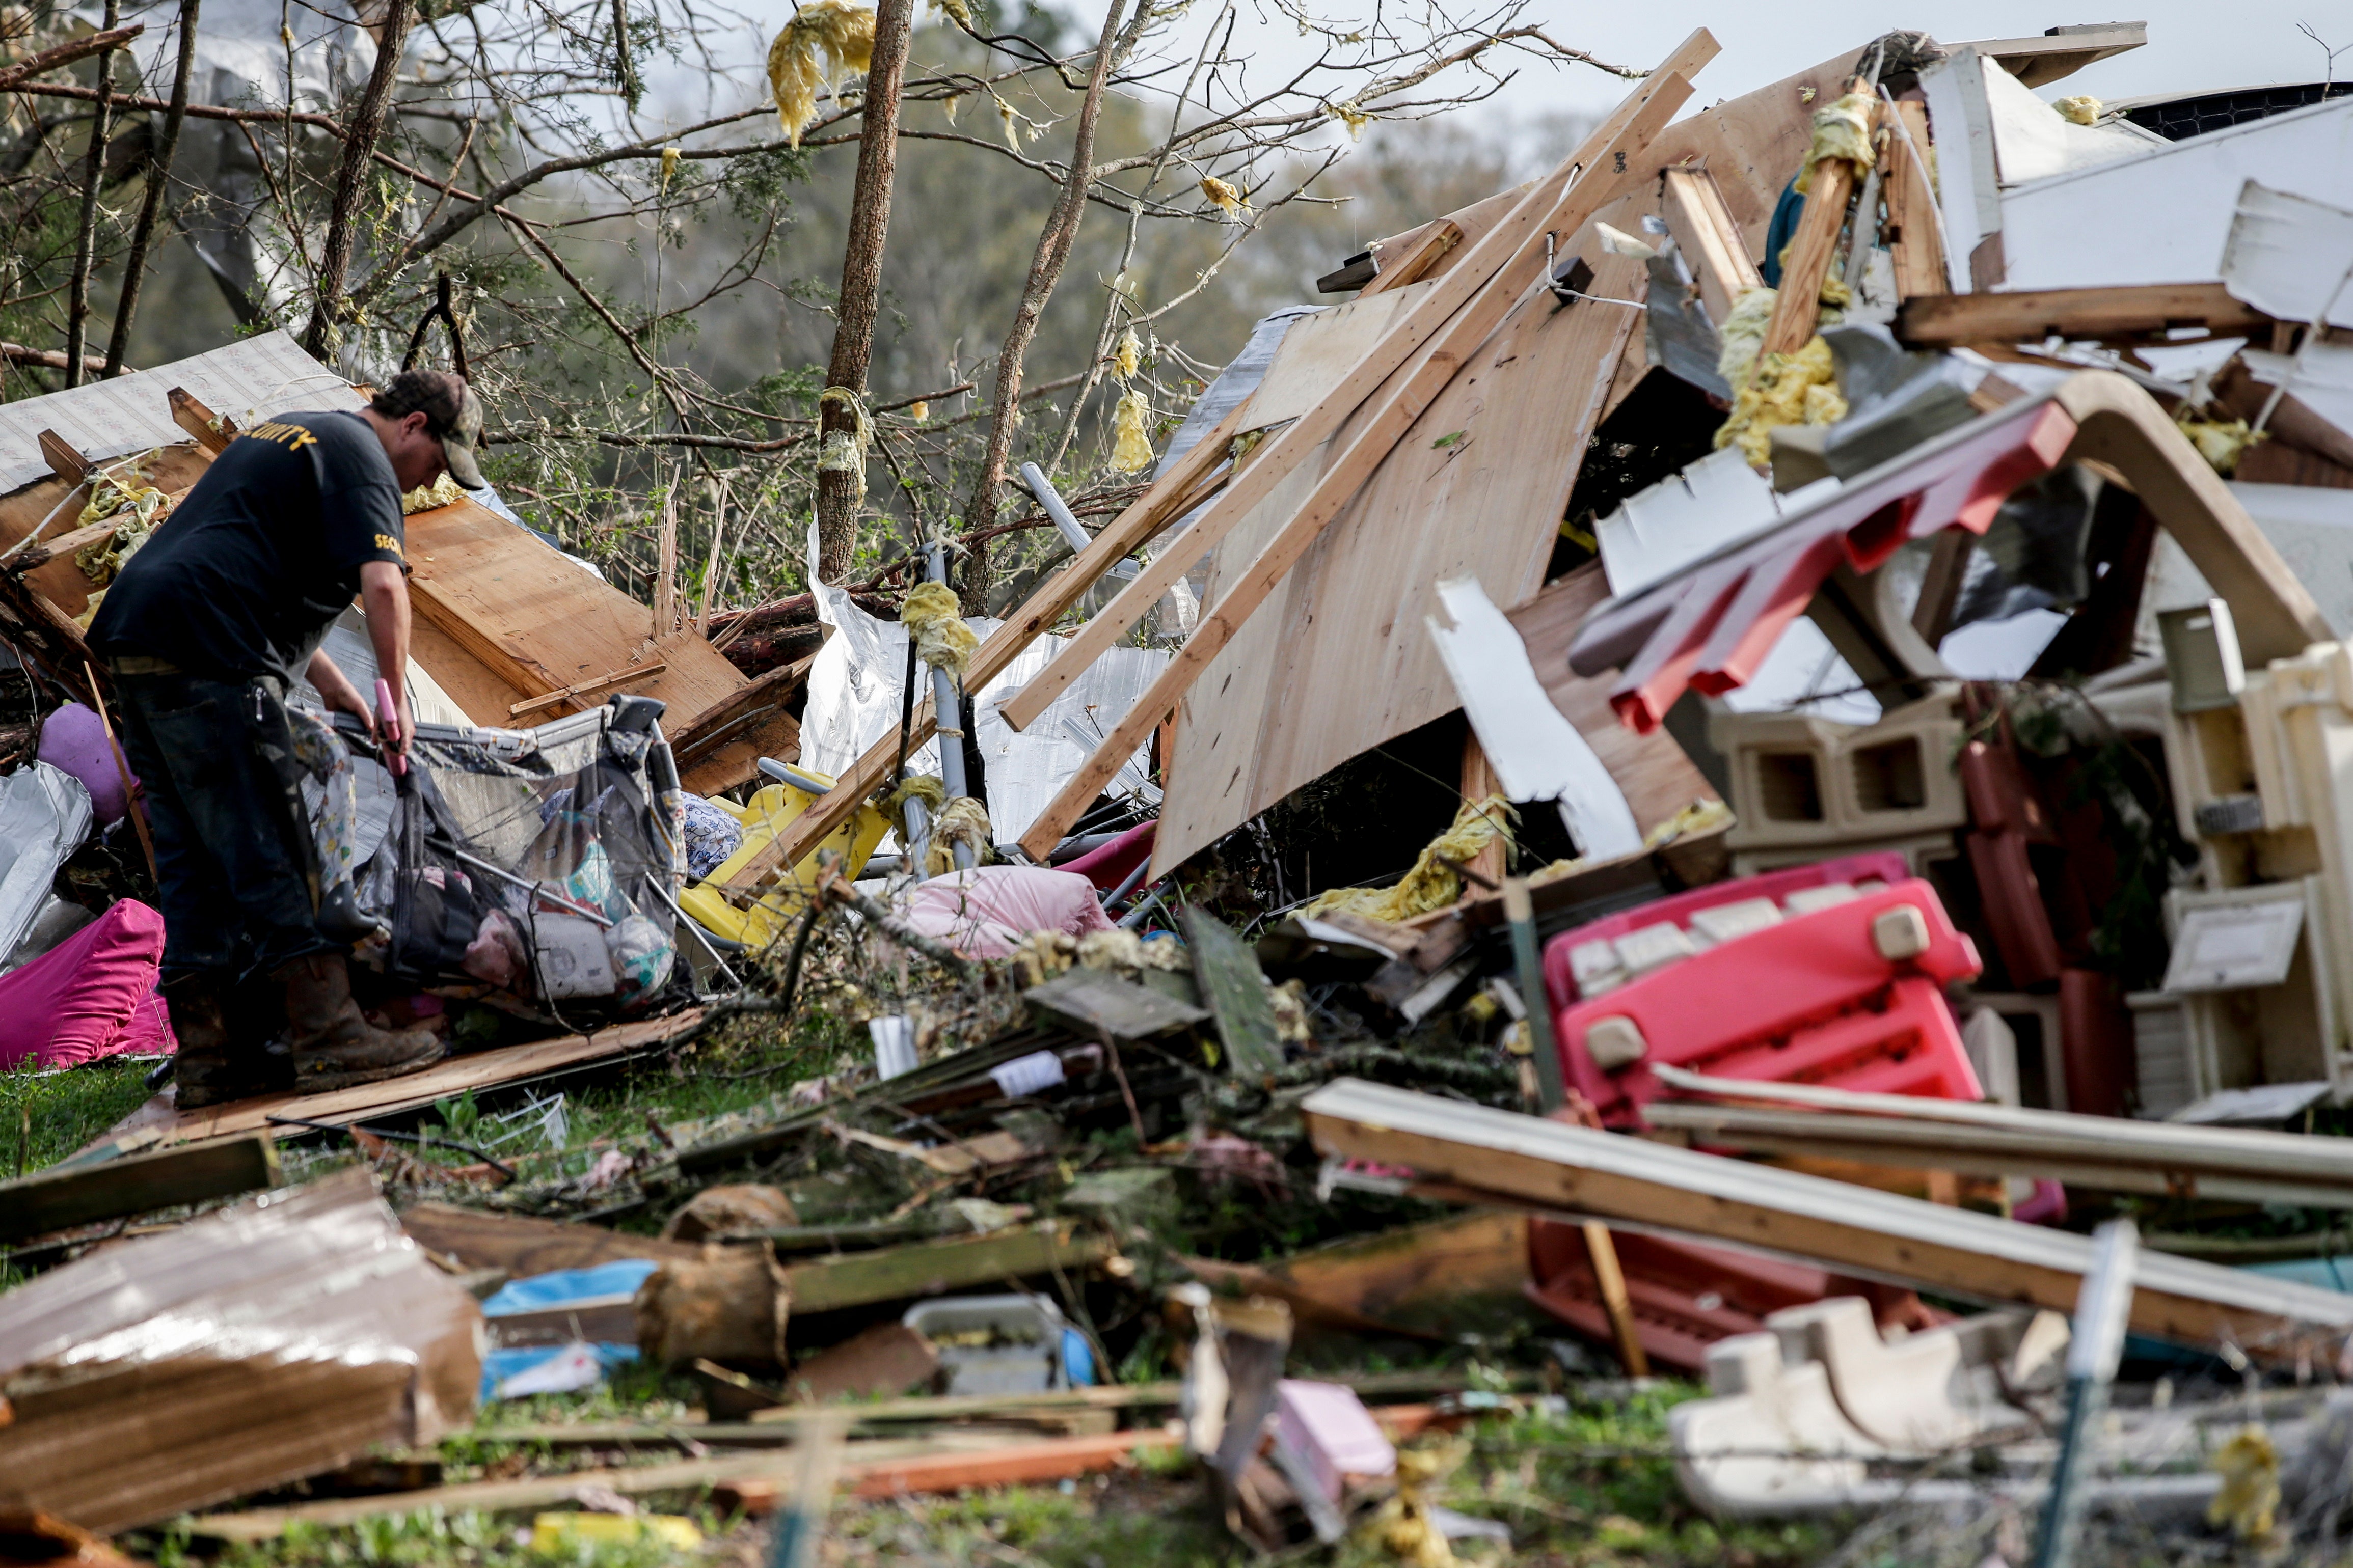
[[551, 1532], [764, 816]]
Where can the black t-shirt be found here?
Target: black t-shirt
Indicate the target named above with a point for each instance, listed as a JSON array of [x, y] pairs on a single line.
[[244, 578]]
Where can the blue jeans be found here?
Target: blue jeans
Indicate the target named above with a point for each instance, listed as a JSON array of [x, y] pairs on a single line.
[[239, 872]]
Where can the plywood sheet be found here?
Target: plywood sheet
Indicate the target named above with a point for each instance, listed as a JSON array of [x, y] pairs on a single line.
[[540, 622], [1338, 660], [1321, 349]]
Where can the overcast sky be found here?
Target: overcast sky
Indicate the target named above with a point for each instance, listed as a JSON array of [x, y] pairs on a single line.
[[2193, 44]]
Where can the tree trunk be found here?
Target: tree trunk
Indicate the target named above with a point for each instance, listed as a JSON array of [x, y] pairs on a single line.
[[1061, 233], [351, 180], [85, 230], [862, 278], [159, 177]]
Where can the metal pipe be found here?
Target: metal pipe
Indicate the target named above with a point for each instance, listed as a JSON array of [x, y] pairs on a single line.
[[919, 833], [783, 773], [1059, 512], [695, 927], [947, 704], [1135, 916], [1127, 886]]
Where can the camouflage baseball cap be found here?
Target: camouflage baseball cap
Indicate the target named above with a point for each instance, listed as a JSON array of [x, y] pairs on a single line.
[[453, 415]]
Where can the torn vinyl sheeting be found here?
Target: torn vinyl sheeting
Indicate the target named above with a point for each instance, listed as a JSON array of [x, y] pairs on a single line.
[[2288, 256], [1711, 505], [1535, 751], [1236, 382]]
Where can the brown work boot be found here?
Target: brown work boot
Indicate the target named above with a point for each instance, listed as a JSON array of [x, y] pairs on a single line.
[[210, 1066], [334, 1046]]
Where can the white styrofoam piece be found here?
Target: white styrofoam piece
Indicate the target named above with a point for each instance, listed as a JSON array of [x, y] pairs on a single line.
[[2287, 256], [2031, 141], [250, 380], [1535, 751], [2165, 217], [2236, 947], [1710, 505]]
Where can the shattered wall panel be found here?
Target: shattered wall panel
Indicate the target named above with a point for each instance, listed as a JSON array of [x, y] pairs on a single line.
[[279, 1339]]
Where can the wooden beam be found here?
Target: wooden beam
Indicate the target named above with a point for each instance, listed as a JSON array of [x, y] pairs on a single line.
[[1476, 1155], [1376, 428], [2132, 311], [1469, 295], [1916, 233], [1709, 238], [1798, 309], [1171, 496], [895, 1274], [213, 432], [603, 683], [1479, 782], [42, 551], [64, 459], [67, 1195], [1413, 259]]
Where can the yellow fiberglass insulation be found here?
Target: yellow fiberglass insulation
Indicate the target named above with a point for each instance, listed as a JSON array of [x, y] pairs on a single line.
[[2221, 442], [2080, 109], [1787, 389], [1131, 446], [934, 619], [1223, 196], [963, 820], [1127, 357], [1743, 333], [2248, 1500], [1432, 884], [1842, 130], [838, 33]]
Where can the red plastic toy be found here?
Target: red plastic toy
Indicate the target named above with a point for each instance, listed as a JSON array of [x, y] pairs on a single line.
[[1852, 995]]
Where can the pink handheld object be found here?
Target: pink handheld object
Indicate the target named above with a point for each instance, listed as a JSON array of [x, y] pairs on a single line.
[[388, 717]]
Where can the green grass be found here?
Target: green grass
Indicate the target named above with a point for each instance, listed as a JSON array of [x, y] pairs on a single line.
[[46, 1116]]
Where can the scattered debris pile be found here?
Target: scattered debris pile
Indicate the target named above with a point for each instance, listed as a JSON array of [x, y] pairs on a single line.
[[1731, 772]]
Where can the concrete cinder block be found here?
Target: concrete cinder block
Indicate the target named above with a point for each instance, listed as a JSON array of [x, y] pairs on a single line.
[[1927, 1393]]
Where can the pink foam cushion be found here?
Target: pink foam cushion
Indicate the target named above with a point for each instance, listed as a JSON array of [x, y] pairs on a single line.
[[985, 912], [92, 995], [73, 739]]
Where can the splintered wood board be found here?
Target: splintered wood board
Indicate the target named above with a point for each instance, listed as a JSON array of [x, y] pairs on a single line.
[[542, 623], [451, 1076], [1339, 660], [1657, 778], [60, 581]]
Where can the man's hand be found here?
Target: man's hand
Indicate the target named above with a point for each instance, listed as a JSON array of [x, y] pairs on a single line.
[[384, 596], [336, 690]]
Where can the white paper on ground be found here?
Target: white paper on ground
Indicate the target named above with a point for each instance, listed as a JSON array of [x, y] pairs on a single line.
[[1535, 751]]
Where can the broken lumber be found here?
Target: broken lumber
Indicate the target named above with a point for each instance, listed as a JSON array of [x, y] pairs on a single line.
[[1915, 232], [1435, 336], [213, 432], [1172, 495], [1378, 428], [520, 1246], [587, 689], [1473, 1155], [732, 1305], [75, 1194], [1709, 240], [304, 1324], [1797, 309], [2131, 312]]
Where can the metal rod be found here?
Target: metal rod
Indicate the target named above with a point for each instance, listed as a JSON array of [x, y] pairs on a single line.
[[2097, 1344], [946, 703], [695, 926], [1065, 523], [783, 773], [1128, 885], [539, 889]]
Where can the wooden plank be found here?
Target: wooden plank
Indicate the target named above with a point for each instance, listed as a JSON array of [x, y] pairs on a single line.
[[1233, 987], [1479, 783], [1318, 350], [522, 1247], [1478, 1154], [1915, 234], [1433, 338], [1097, 1004], [540, 623], [575, 695], [957, 1263], [1015, 1465], [479, 691], [2078, 1161], [1171, 496], [213, 432], [115, 1189], [2030, 315], [1414, 258], [1798, 308], [453, 1076], [64, 459], [1709, 240], [1372, 433]]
